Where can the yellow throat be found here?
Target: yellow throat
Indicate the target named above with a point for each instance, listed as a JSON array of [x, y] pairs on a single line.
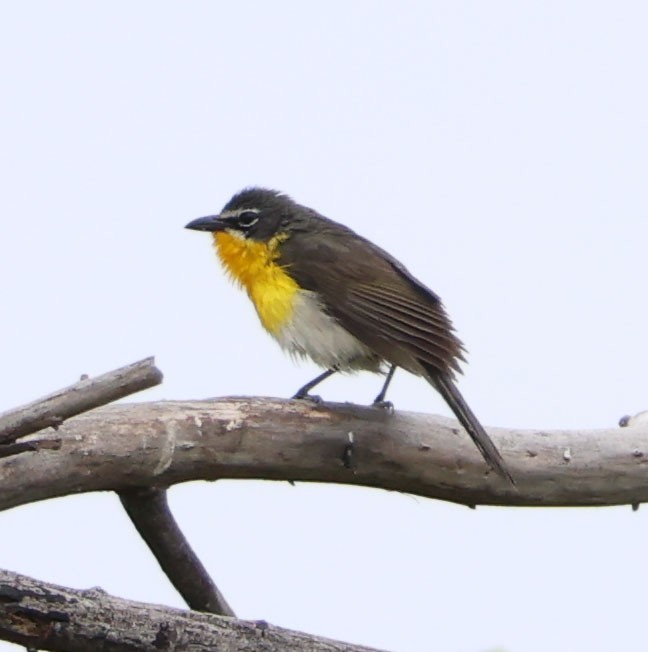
[[254, 266]]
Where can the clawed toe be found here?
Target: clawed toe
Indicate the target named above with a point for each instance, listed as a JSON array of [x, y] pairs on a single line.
[[313, 398]]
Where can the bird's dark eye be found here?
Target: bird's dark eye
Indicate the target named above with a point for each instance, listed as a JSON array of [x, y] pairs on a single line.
[[248, 218]]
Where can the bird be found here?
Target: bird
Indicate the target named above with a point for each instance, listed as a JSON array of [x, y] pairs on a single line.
[[326, 293]]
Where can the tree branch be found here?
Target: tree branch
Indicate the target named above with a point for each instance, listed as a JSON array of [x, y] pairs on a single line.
[[147, 508], [149, 511], [49, 617], [159, 444], [52, 410]]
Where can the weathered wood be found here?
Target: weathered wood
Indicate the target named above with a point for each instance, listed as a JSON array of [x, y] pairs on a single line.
[[44, 616], [159, 444], [149, 511], [89, 393]]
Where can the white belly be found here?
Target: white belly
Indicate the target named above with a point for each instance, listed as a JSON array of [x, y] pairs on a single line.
[[312, 333]]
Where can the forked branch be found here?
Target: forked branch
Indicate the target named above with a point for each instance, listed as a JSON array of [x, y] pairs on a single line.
[[147, 507]]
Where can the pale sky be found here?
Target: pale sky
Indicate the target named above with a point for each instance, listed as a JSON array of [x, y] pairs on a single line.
[[499, 149]]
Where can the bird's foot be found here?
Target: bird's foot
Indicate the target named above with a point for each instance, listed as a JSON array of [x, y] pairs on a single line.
[[383, 405], [313, 398]]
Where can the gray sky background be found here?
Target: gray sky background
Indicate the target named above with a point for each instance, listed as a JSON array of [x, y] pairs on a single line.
[[500, 149]]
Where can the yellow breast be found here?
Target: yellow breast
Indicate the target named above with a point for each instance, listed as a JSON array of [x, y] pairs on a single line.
[[254, 266]]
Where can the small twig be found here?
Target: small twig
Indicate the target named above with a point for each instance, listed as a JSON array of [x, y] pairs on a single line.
[[347, 455], [149, 511], [7, 450], [52, 410]]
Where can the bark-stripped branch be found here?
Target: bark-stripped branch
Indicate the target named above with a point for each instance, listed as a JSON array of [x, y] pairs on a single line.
[[44, 616], [159, 444], [89, 393]]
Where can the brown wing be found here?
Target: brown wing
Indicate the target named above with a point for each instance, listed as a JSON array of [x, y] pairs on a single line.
[[374, 297]]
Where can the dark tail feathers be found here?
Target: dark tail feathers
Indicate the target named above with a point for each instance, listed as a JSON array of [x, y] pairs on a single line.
[[444, 385]]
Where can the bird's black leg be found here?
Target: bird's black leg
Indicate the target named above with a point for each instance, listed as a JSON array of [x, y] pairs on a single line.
[[380, 401], [303, 391]]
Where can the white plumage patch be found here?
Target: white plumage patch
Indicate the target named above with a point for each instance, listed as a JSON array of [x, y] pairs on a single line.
[[312, 333]]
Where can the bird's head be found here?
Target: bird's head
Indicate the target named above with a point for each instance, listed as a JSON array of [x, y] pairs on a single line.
[[256, 214]]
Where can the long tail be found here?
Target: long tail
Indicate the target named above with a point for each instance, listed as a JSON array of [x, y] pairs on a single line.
[[444, 385]]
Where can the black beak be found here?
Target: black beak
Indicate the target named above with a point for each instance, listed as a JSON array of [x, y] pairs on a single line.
[[209, 223]]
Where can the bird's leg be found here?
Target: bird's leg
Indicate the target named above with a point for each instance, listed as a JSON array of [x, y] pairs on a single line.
[[303, 391], [380, 401]]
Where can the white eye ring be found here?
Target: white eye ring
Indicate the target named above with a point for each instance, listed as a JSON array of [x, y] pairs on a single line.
[[248, 218]]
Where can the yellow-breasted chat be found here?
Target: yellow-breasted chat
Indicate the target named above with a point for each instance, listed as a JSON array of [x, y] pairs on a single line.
[[328, 294]]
